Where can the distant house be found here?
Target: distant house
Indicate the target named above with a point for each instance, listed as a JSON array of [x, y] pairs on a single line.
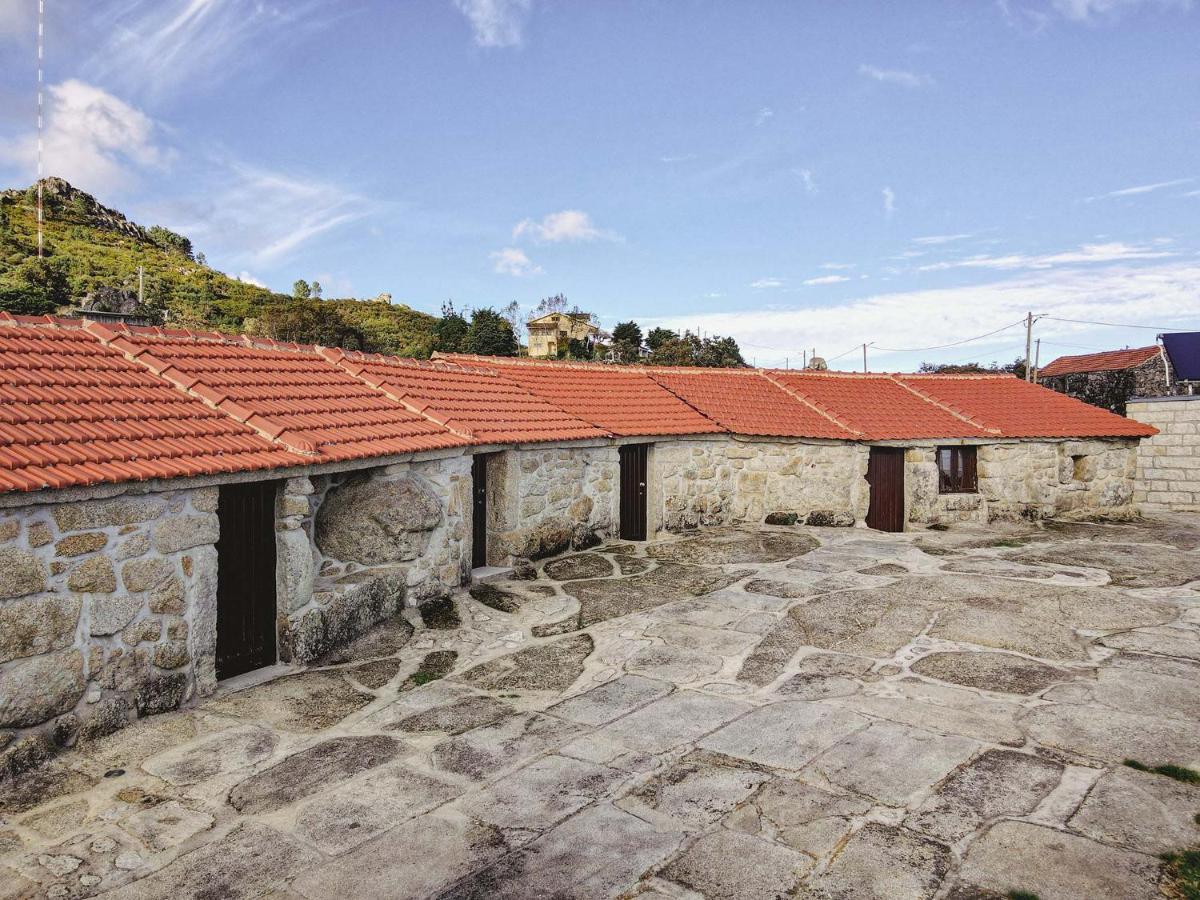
[[550, 334], [1109, 379]]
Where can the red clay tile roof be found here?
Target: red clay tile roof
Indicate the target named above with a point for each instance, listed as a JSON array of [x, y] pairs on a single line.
[[85, 404], [285, 392], [476, 403], [75, 412], [1022, 410], [622, 400], [746, 403], [879, 407], [1107, 361]]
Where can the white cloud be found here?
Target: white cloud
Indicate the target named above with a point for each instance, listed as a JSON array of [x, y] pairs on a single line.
[[935, 239], [836, 267], [256, 217], [17, 18], [683, 157], [807, 180], [513, 261], [1140, 189], [1086, 253], [827, 279], [767, 283], [1159, 295], [889, 201], [160, 46], [1097, 10], [246, 278], [496, 23], [96, 141], [567, 225], [901, 77], [763, 115]]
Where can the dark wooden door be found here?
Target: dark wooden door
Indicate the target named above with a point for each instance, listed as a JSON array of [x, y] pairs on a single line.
[[246, 578], [479, 511], [885, 475], [633, 491]]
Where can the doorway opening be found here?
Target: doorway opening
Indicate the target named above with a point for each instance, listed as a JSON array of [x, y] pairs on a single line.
[[885, 475], [246, 601], [634, 458]]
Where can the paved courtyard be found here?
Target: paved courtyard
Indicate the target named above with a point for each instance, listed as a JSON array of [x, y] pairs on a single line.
[[745, 713]]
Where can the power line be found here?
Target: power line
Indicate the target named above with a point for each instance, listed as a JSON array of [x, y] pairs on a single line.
[[1112, 324], [847, 353], [952, 344]]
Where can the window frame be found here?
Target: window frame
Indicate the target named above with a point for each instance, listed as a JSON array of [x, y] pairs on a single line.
[[958, 469]]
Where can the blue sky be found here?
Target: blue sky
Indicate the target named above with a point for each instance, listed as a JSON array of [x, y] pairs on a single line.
[[796, 174]]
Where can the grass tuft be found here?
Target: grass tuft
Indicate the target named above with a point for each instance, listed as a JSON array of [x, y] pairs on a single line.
[[1179, 773], [1022, 895], [1182, 873]]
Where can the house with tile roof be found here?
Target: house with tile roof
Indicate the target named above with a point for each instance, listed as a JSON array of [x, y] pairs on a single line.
[[178, 508], [1111, 378]]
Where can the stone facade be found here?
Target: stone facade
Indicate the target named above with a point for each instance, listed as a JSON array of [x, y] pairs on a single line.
[[107, 613], [1112, 389], [1168, 464], [353, 548], [545, 500], [1025, 480], [724, 480]]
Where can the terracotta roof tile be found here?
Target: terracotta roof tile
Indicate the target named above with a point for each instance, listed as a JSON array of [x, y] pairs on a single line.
[[74, 412], [287, 393], [625, 401], [477, 403], [1107, 361], [747, 403], [1022, 410], [879, 407]]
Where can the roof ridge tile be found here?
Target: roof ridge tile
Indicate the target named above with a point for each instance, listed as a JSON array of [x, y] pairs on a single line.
[[945, 406], [816, 407]]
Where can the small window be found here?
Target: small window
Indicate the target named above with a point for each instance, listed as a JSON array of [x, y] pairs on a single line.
[[956, 470]]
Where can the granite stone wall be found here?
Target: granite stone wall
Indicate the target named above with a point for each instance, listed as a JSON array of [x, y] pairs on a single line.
[[1168, 464], [545, 500], [107, 613], [1113, 389], [728, 480], [1026, 480]]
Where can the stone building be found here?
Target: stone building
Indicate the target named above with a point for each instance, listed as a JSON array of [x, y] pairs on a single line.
[[550, 334], [180, 508], [1168, 464], [1110, 379]]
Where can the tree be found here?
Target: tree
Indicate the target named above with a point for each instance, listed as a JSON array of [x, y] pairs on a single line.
[[659, 336], [450, 331], [547, 305], [315, 291], [691, 350], [36, 286], [1016, 368], [627, 333], [171, 241], [307, 322], [301, 289], [490, 334]]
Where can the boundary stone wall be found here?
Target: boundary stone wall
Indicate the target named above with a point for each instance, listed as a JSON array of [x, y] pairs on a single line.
[[1168, 464]]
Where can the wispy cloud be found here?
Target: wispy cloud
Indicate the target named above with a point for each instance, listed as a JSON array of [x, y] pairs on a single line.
[[1107, 10], [1138, 189], [95, 140], [836, 267], [682, 157], [513, 261], [901, 77], [761, 283], [247, 278], [889, 201], [496, 23], [17, 18], [764, 115], [252, 216], [568, 225], [807, 181], [936, 239], [1162, 294], [157, 47], [1085, 254], [826, 279]]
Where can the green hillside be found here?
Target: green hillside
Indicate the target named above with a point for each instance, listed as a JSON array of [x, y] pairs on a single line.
[[90, 248]]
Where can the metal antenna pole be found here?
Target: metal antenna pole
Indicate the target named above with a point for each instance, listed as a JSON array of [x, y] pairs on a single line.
[[1028, 346], [1037, 360], [41, 45]]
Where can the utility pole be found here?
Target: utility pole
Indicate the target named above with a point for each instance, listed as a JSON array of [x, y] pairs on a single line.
[[1037, 360], [41, 46], [804, 364], [141, 291], [1028, 346], [864, 359]]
